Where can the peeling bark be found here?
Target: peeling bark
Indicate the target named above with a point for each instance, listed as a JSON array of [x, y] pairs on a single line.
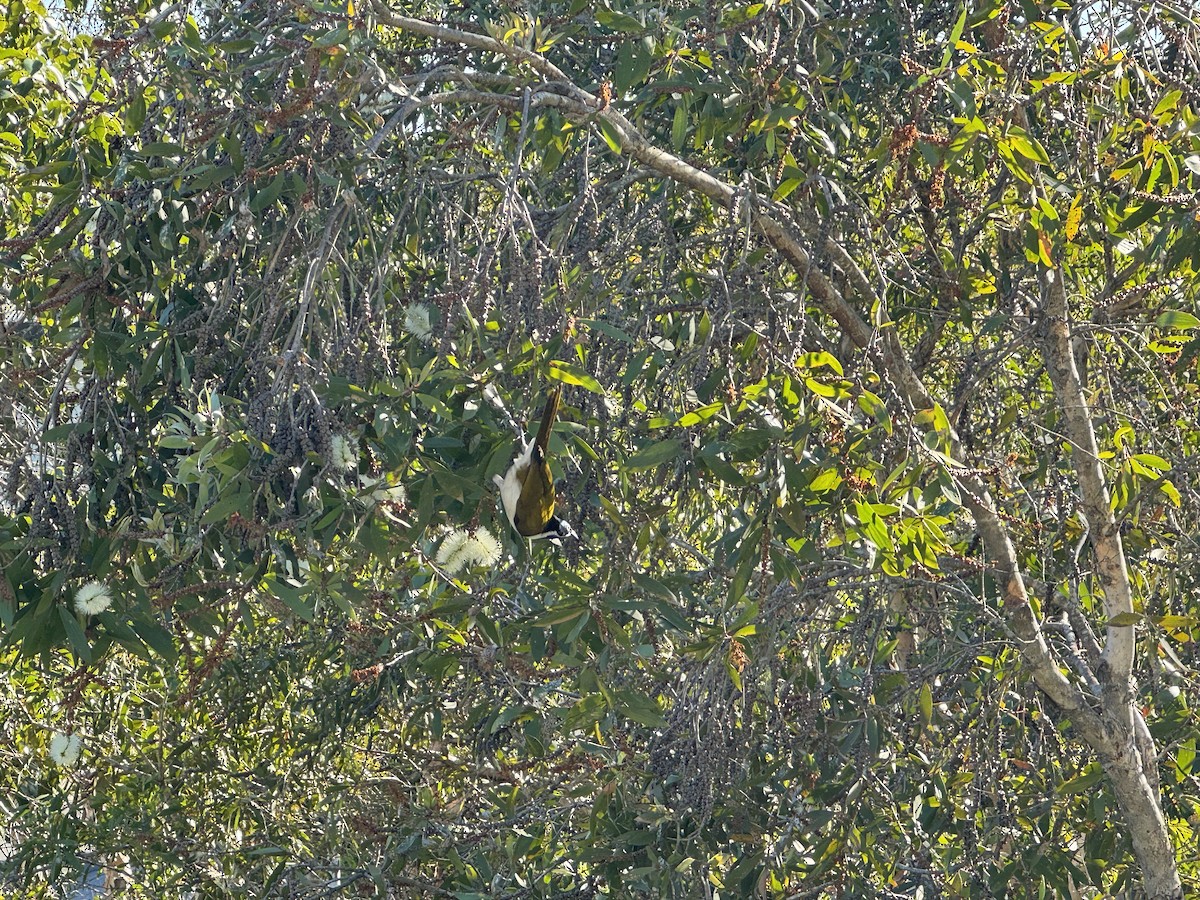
[[1124, 745], [1085, 456]]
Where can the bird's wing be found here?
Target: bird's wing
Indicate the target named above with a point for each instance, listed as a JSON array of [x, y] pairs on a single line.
[[536, 506]]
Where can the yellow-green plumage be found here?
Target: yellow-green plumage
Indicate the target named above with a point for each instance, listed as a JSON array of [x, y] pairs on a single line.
[[535, 506], [527, 489]]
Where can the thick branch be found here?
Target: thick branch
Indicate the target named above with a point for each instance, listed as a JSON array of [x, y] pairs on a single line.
[[1106, 539], [1122, 742], [537, 63], [1085, 454]]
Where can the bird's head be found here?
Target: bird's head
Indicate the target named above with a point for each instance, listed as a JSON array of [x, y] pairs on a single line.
[[558, 530]]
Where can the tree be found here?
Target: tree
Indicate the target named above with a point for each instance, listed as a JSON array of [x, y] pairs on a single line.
[[876, 328]]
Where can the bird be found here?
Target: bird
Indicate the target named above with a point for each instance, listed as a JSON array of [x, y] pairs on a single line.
[[527, 488]]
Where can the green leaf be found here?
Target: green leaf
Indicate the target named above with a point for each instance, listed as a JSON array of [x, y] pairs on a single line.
[[333, 37], [559, 614], [1125, 619], [786, 188], [611, 136], [154, 636], [618, 21], [606, 328], [873, 527], [638, 707], [203, 177], [633, 65], [653, 455], [585, 713], [742, 576], [1170, 344], [820, 388], [268, 195], [933, 418], [1141, 215], [239, 46], [226, 506], [60, 433], [75, 633], [1027, 146], [569, 374], [703, 414], [819, 359], [1152, 461], [435, 405], [654, 587], [135, 112], [232, 145], [827, 480], [1168, 103], [293, 597], [162, 148], [69, 231], [955, 34], [1090, 776], [679, 126], [949, 489], [1171, 492], [713, 456], [1177, 320], [1185, 757]]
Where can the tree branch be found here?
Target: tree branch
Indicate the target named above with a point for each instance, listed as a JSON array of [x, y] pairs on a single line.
[[1085, 455]]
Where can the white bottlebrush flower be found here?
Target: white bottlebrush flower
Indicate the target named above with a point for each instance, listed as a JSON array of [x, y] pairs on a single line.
[[93, 598], [343, 451], [484, 548], [452, 554], [64, 749], [462, 550], [418, 321], [384, 490]]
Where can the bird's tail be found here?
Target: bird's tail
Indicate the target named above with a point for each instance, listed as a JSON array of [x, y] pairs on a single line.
[[549, 414]]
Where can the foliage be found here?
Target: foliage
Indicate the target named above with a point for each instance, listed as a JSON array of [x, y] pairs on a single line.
[[282, 281]]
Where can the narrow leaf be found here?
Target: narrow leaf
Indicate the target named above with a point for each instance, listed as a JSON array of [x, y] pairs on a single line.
[[653, 455], [569, 374]]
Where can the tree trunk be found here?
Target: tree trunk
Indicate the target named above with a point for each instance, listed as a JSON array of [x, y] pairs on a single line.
[[1140, 807]]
